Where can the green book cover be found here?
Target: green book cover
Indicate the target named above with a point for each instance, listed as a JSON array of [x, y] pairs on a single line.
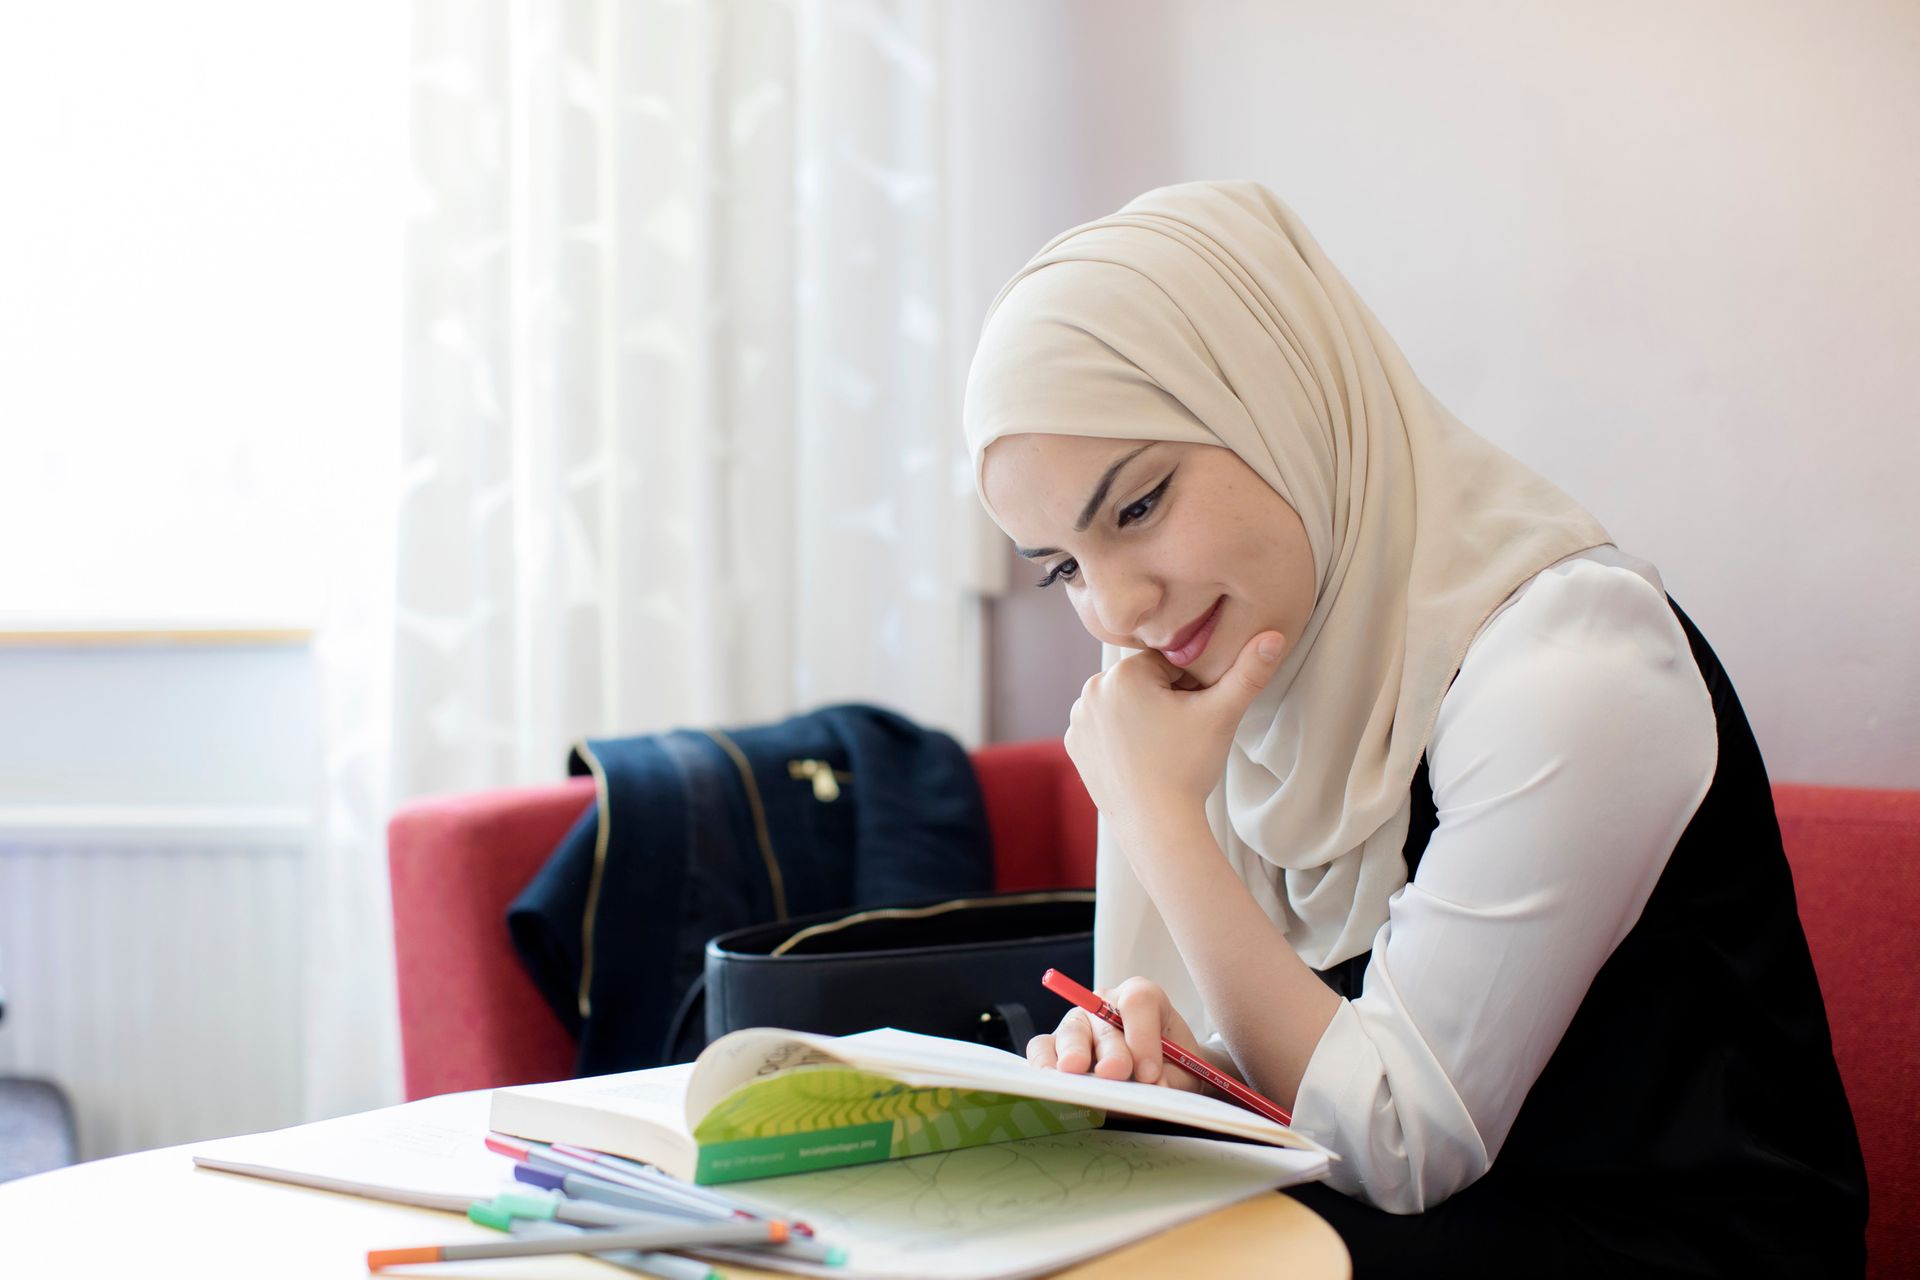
[[826, 1115], [766, 1101]]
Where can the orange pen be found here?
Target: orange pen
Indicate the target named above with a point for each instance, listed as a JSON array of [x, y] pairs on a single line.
[[1061, 985]]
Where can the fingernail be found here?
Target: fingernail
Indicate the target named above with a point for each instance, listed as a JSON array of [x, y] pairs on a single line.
[[1270, 648]]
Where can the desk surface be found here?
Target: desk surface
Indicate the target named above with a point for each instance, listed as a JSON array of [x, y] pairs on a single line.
[[154, 1214]]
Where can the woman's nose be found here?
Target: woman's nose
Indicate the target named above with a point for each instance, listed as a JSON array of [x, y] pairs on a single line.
[[1122, 601]]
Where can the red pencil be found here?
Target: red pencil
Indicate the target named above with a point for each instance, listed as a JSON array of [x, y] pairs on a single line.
[[1061, 985]]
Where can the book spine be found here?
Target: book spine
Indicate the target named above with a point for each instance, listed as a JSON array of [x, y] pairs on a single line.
[[771, 1156]]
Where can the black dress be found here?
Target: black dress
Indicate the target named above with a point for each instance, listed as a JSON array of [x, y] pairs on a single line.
[[1691, 1121]]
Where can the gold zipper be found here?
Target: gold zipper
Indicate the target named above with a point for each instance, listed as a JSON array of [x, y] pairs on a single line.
[[825, 778], [599, 869], [774, 878], [935, 909]]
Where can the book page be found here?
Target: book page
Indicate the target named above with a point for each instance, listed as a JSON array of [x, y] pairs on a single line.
[[656, 1095], [740, 1057], [1019, 1208], [934, 1060]]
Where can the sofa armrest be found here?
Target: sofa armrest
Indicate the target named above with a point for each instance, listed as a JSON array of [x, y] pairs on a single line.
[[470, 1017], [1042, 819]]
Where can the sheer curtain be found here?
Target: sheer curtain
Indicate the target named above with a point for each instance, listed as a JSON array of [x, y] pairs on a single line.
[[680, 440]]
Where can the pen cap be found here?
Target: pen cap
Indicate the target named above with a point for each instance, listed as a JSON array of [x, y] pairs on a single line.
[[526, 1206], [490, 1216]]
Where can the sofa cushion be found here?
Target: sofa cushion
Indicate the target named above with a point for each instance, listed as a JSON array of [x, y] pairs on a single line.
[[1856, 870]]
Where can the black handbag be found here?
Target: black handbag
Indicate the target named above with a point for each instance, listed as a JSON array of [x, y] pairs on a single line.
[[968, 968]]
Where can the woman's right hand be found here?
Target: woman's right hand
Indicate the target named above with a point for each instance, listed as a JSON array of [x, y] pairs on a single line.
[[1083, 1043]]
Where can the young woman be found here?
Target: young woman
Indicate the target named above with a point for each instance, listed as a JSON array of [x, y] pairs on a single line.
[[1424, 809]]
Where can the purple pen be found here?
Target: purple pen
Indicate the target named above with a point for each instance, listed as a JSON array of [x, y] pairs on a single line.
[[644, 1176]]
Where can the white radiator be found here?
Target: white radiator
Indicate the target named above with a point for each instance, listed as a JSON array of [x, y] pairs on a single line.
[[153, 967]]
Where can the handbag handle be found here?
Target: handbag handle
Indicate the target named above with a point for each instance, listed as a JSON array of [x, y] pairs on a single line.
[[693, 1009], [1008, 1026]]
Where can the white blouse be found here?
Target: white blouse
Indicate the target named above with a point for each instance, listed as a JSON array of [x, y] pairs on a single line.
[[1569, 755]]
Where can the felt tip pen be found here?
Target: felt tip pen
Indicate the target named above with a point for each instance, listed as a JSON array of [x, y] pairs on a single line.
[[614, 1195], [1061, 985], [620, 1169], [666, 1266], [609, 1205], [579, 1213], [691, 1235], [596, 1181], [645, 1177], [601, 1172]]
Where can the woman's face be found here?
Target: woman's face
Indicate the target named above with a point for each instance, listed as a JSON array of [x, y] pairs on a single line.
[[1177, 547]]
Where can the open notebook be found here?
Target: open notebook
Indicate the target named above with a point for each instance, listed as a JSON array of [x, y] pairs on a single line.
[[996, 1212], [765, 1102]]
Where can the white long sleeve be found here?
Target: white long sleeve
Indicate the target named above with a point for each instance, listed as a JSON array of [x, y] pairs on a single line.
[[1569, 755]]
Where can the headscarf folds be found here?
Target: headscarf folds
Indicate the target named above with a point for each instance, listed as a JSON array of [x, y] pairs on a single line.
[[1206, 313]]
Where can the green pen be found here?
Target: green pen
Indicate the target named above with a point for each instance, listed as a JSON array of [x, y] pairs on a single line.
[[667, 1266], [589, 1213], [579, 1213]]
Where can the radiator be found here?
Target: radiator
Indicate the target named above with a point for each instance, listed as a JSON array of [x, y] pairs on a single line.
[[153, 967]]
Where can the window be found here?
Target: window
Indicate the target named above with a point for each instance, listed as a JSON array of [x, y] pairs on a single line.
[[199, 303]]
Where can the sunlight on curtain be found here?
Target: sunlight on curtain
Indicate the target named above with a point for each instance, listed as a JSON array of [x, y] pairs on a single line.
[[680, 440], [680, 433]]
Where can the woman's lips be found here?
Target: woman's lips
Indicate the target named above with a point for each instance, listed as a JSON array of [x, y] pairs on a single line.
[[1193, 641]]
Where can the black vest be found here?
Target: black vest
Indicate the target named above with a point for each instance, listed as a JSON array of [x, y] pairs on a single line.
[[1691, 1121]]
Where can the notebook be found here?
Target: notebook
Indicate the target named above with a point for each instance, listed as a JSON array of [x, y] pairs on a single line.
[[995, 1212], [766, 1102]]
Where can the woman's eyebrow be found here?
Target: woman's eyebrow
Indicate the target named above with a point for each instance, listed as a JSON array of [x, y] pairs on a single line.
[[1093, 503]]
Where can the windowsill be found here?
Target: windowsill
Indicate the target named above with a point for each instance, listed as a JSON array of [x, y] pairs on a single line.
[[152, 637]]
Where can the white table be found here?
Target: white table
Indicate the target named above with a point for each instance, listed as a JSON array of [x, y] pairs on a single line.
[[153, 1214]]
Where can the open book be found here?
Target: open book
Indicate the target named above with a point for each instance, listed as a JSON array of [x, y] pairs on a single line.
[[763, 1102]]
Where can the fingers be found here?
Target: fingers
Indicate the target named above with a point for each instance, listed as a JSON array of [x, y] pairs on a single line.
[[1112, 1058], [1041, 1052], [1258, 659], [1069, 1048], [1081, 1044], [1142, 1008]]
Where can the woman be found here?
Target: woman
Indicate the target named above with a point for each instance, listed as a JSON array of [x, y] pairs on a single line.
[[1423, 809]]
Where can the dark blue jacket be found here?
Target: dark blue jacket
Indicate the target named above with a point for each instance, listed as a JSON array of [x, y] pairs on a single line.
[[696, 832]]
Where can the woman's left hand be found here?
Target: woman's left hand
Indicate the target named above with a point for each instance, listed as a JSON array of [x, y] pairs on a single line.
[[1150, 744]]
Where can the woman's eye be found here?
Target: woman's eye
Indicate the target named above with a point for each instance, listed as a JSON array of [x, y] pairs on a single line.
[[1144, 507], [1065, 569]]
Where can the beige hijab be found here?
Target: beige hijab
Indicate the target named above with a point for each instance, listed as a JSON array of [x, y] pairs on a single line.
[[1206, 313]]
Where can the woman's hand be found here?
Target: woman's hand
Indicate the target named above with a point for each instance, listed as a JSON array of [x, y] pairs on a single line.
[[1149, 742], [1085, 1043]]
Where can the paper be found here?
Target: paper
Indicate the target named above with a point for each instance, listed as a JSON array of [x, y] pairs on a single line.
[[936, 1061], [436, 1146], [1012, 1209], [1021, 1208]]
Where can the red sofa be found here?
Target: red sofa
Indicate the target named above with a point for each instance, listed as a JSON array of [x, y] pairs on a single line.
[[470, 1017]]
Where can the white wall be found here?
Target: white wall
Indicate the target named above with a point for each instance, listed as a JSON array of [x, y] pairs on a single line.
[[1663, 253]]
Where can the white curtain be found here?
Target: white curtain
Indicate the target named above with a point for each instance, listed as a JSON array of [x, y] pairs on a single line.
[[681, 439]]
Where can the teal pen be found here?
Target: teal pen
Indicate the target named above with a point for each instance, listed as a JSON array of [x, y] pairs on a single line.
[[579, 1213], [567, 1212], [637, 1202], [647, 1262]]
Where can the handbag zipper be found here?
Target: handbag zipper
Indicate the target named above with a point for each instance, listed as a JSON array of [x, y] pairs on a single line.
[[825, 778], [934, 909], [599, 869], [774, 878]]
